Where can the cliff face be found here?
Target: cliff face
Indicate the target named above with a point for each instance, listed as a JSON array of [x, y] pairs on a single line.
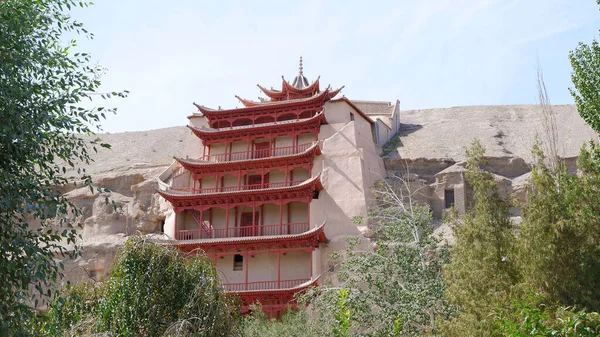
[[129, 170], [430, 147]]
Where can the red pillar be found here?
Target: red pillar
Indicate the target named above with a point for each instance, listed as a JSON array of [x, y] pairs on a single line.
[[246, 258], [175, 229], [281, 219], [289, 217], [235, 221], [311, 263], [253, 217], [201, 221], [262, 219], [278, 269]]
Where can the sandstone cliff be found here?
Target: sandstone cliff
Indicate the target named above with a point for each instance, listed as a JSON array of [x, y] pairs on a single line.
[[430, 145]]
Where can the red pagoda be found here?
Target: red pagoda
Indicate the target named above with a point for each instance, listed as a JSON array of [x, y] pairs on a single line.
[[246, 199]]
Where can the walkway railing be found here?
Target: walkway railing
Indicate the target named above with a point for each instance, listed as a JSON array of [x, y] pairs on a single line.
[[264, 285], [257, 186], [242, 231], [255, 154]]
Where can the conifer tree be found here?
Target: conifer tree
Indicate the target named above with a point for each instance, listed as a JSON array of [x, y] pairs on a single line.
[[482, 274]]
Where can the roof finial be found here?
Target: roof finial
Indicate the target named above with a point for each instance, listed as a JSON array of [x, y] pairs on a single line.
[[300, 72]]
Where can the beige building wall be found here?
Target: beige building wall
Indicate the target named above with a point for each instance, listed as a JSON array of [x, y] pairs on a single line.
[[283, 141], [306, 138], [263, 267], [350, 165], [239, 146]]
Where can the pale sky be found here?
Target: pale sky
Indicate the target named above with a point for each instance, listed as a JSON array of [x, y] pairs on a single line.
[[426, 53]]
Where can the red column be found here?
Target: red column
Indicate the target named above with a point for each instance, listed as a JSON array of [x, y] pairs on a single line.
[[248, 148], [175, 229], [279, 269], [311, 263], [262, 219], [246, 256], [281, 219], [230, 150], [289, 217], [201, 221], [253, 217]]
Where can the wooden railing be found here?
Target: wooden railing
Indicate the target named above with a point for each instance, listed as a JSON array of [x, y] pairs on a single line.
[[264, 285], [236, 188], [255, 154], [242, 231]]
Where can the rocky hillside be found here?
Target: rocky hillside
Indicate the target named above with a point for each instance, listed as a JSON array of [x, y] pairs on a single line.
[[431, 142]]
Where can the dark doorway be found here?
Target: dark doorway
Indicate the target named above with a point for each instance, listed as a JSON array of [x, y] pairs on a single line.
[[449, 198]]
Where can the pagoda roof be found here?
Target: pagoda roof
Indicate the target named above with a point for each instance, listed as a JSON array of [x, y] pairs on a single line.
[[274, 299], [206, 167], [184, 200], [287, 88], [320, 97], [259, 129], [308, 239]]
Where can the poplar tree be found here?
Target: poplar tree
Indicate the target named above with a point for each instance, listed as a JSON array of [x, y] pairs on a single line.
[[585, 61]]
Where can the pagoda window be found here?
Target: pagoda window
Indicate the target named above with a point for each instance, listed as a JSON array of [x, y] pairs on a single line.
[[255, 181], [287, 117], [262, 150], [221, 124], [238, 262], [264, 119], [242, 122], [248, 223]]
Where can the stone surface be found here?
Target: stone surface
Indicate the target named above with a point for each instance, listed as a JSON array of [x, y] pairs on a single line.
[[430, 152]]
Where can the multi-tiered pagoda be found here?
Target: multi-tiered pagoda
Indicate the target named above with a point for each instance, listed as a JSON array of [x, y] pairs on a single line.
[[248, 194]]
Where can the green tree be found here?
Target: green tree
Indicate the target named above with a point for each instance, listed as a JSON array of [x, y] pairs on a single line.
[[559, 237], [397, 288], [151, 291], [294, 323], [42, 85], [483, 272], [585, 61], [530, 317]]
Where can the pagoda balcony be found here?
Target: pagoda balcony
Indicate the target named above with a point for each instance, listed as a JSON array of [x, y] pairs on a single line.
[[257, 154], [264, 285], [207, 232], [258, 186]]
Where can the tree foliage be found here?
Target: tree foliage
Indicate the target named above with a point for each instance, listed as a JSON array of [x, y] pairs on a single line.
[[397, 289], [530, 317], [294, 323], [559, 239], [42, 85], [585, 61], [482, 273], [151, 291]]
